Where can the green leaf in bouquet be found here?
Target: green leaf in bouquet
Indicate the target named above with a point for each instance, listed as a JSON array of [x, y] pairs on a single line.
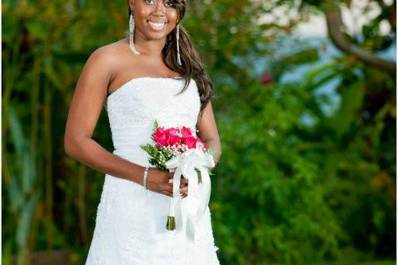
[[155, 125], [145, 147], [150, 149]]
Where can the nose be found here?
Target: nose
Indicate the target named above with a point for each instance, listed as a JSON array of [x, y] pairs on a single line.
[[160, 8]]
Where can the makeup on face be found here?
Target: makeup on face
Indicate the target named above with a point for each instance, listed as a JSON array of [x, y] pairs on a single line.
[[157, 14], [166, 3]]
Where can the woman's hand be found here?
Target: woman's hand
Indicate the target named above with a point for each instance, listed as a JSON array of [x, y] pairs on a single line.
[[160, 181]]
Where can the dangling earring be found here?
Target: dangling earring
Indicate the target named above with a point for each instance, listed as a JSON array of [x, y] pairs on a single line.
[[131, 34], [178, 45]]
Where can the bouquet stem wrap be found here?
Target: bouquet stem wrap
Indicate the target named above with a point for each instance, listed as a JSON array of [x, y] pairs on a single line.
[[193, 165]]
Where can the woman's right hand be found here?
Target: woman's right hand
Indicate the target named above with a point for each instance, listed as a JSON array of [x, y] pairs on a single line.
[[159, 181]]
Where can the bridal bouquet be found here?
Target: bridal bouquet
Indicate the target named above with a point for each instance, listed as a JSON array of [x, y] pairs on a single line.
[[178, 150]]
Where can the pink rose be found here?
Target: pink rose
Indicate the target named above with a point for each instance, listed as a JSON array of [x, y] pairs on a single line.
[[190, 141], [161, 137], [186, 132], [173, 136]]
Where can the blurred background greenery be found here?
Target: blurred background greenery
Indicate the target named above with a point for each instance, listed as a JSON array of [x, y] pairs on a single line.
[[307, 124]]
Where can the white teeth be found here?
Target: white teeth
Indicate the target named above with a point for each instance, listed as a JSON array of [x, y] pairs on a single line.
[[156, 26]]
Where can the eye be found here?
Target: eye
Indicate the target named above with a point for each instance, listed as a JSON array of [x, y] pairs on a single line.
[[149, 2], [169, 3]]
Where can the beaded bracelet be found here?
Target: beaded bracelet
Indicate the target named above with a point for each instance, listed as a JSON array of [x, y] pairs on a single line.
[[145, 177]]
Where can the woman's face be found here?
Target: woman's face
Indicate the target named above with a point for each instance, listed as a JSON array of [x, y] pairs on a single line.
[[154, 18]]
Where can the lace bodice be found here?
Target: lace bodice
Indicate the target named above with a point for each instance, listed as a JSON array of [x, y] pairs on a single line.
[[133, 108]]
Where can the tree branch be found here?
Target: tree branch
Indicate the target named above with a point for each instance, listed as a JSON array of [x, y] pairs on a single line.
[[335, 23]]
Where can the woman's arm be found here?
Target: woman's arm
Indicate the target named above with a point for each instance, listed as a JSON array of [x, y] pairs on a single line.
[[86, 106], [208, 132]]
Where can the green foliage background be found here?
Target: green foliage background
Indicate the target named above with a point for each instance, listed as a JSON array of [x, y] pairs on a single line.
[[284, 192]]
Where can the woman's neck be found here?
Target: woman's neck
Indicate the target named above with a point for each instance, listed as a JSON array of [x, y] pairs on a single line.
[[149, 47]]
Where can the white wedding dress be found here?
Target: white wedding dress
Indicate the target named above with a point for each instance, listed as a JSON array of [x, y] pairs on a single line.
[[130, 225]]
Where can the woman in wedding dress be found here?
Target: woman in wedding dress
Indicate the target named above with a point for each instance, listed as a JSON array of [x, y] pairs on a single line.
[[154, 74]]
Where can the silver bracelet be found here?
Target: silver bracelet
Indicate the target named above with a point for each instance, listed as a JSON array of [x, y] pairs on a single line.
[[145, 177]]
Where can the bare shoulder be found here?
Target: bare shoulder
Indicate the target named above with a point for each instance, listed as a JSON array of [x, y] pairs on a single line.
[[105, 62], [109, 54], [99, 69]]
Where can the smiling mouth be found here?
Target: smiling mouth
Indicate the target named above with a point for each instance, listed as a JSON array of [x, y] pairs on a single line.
[[157, 26]]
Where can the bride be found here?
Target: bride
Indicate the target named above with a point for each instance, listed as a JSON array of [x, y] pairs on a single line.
[[154, 74]]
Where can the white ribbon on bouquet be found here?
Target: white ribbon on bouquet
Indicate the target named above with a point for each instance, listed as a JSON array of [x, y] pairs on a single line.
[[198, 195]]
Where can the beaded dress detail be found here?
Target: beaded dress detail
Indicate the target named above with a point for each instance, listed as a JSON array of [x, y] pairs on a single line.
[[130, 224]]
